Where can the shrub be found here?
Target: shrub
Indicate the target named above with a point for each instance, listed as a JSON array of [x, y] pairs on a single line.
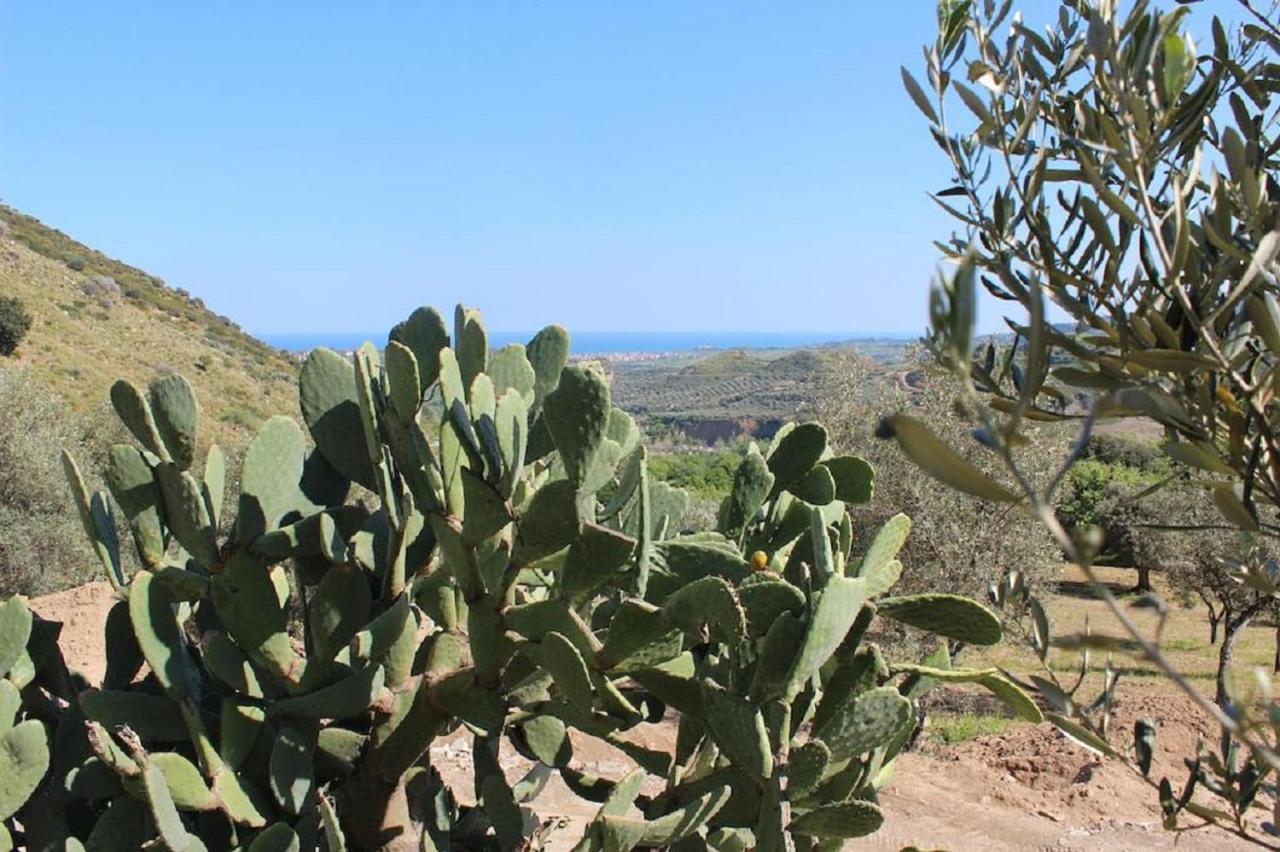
[[700, 472], [957, 544], [15, 322], [1125, 451], [42, 545], [1091, 486], [516, 576]]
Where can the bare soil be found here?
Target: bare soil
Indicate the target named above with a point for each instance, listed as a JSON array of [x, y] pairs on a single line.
[[1028, 788]]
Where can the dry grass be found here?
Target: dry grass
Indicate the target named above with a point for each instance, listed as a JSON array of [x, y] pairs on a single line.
[[80, 341], [1185, 638]]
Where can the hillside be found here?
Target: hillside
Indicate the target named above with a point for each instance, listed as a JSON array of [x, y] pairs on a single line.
[[734, 393], [97, 319]]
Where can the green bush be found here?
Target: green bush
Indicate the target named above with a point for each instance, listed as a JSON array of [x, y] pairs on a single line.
[[15, 322], [700, 472], [1127, 451], [42, 545], [1091, 485], [957, 544]]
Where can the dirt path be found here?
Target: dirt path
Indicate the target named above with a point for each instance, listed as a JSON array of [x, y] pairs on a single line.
[[1027, 789]]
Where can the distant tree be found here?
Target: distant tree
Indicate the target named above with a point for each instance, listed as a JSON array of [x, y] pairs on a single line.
[[15, 322], [957, 544]]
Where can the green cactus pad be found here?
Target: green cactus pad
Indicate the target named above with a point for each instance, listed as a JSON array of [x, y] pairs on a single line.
[[510, 369], [867, 721], [835, 612], [483, 408], [547, 740], [96, 519], [225, 661], [794, 453], [186, 786], [425, 334], [547, 523], [639, 636], [594, 558], [15, 630], [487, 512], [863, 672], [471, 343], [186, 512], [548, 353], [173, 405], [577, 415], [134, 488], [675, 826], [752, 482], [339, 606], [817, 487], [806, 766], [535, 620], [883, 549], [854, 478], [764, 598], [688, 561], [292, 767], [708, 602], [348, 697], [777, 652], [152, 717], [952, 616], [135, 412], [277, 837], [841, 821], [559, 657], [380, 638], [214, 482], [24, 759], [173, 834], [249, 596], [738, 728], [327, 391], [125, 824], [333, 837], [338, 750], [623, 431], [404, 383], [151, 612], [240, 724], [269, 495], [10, 704]]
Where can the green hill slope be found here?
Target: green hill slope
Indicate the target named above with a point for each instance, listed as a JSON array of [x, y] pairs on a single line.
[[97, 319]]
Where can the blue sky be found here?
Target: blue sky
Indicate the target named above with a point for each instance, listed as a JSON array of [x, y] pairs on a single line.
[[611, 166]]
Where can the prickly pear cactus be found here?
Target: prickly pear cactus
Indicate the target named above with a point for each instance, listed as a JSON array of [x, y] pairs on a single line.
[[466, 539]]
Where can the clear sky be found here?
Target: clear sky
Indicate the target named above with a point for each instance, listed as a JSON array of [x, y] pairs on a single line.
[[608, 165]]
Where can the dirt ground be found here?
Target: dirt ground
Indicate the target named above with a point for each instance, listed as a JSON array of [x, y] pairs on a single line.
[[1025, 788]]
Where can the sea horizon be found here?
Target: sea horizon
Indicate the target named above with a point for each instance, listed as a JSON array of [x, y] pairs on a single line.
[[612, 342]]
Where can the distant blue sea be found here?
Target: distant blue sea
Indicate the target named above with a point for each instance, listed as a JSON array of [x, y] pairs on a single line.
[[604, 342]]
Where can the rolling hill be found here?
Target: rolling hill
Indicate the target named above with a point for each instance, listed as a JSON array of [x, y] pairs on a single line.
[[96, 319]]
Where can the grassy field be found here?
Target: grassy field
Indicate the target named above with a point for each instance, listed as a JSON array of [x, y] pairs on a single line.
[[1071, 604]]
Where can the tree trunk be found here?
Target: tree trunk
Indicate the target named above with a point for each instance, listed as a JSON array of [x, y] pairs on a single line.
[[1230, 630], [1144, 579], [1213, 633], [1275, 666]]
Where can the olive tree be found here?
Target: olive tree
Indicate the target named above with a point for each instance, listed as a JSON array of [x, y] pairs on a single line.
[[1116, 186]]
